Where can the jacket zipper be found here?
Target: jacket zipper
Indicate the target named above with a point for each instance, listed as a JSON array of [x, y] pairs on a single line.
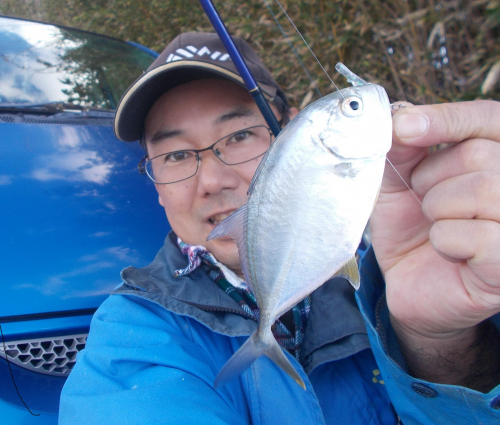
[[200, 306], [221, 309]]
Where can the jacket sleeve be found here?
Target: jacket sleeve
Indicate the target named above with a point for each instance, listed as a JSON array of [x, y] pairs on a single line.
[[415, 400], [141, 365]]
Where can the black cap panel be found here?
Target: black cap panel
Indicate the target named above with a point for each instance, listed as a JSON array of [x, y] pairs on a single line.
[[190, 56], [141, 96]]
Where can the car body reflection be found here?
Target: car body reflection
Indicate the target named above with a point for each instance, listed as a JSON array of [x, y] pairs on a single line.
[[74, 209]]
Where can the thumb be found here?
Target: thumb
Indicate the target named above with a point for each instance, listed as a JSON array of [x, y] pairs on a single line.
[[429, 125], [415, 128]]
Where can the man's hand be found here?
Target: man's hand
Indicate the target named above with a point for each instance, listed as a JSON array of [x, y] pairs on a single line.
[[441, 261]]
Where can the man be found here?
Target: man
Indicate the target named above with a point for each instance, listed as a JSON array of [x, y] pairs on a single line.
[[157, 344]]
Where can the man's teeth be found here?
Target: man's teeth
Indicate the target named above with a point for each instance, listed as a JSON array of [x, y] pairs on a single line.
[[217, 218]]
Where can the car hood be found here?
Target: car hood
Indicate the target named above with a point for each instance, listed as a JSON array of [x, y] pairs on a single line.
[[74, 212]]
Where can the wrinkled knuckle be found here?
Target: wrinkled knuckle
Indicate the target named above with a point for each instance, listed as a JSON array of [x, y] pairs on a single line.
[[483, 113], [452, 122]]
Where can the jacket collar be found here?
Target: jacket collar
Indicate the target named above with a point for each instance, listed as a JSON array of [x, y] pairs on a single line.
[[159, 278], [335, 328]]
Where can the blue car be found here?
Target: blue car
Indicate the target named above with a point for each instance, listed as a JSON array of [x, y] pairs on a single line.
[[74, 209]]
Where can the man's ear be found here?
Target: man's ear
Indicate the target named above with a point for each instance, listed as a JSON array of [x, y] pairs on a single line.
[[160, 201], [293, 112]]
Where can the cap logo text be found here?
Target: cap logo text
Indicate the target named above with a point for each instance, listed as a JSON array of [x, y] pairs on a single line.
[[181, 54]]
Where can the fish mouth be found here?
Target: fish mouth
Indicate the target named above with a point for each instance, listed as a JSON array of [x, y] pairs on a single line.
[[215, 219]]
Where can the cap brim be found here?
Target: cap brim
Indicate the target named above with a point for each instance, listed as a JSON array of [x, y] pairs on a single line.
[[145, 91]]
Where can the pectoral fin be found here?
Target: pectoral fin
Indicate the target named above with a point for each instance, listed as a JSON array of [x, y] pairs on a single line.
[[350, 271], [234, 227]]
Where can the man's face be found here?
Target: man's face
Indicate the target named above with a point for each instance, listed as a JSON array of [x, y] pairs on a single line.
[[193, 116]]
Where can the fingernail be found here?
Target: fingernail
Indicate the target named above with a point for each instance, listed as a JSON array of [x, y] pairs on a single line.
[[410, 126]]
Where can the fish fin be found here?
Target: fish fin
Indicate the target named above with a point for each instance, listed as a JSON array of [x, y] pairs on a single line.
[[231, 226], [257, 172], [234, 227], [275, 353], [350, 271], [250, 351], [240, 361]]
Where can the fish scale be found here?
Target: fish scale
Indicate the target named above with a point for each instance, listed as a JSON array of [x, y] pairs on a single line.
[[308, 205]]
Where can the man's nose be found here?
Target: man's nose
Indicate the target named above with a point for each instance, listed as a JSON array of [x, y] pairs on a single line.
[[214, 175]]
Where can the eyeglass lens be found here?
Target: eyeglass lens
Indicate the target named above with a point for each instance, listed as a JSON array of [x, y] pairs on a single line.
[[236, 148]]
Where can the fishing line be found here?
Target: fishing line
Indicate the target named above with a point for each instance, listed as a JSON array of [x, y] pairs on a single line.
[[418, 200], [348, 74], [293, 49], [305, 42], [409, 188]]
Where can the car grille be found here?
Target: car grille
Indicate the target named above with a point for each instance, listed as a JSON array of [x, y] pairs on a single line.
[[51, 356]]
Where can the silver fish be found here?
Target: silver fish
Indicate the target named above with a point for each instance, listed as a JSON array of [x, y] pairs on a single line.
[[309, 202]]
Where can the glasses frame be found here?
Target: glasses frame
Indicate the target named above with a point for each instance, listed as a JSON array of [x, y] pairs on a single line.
[[144, 161]]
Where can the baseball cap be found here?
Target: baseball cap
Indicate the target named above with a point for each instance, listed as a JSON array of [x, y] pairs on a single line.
[[190, 56]]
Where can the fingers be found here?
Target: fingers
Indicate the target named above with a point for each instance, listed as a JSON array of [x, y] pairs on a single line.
[[417, 127], [466, 211], [467, 157], [430, 125], [469, 196], [474, 241]]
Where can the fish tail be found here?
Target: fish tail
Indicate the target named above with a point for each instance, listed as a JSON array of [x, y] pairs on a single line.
[[250, 351], [240, 361], [275, 353]]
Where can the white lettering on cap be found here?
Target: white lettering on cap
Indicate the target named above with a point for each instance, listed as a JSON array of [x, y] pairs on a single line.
[[173, 58], [203, 51], [184, 53], [200, 52]]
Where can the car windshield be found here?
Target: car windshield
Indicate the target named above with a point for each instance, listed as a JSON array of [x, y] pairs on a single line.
[[42, 64]]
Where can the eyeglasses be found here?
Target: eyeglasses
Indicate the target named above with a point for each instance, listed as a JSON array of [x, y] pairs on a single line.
[[236, 148]]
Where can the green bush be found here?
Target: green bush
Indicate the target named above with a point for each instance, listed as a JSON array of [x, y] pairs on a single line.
[[421, 51]]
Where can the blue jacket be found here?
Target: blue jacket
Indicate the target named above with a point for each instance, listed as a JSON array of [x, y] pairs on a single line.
[[157, 343]]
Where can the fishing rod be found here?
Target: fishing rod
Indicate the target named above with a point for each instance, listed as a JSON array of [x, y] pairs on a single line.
[[241, 66]]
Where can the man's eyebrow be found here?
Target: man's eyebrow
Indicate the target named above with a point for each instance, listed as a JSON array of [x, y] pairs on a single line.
[[238, 112], [164, 134]]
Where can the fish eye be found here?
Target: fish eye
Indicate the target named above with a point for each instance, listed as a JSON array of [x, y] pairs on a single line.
[[352, 106]]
